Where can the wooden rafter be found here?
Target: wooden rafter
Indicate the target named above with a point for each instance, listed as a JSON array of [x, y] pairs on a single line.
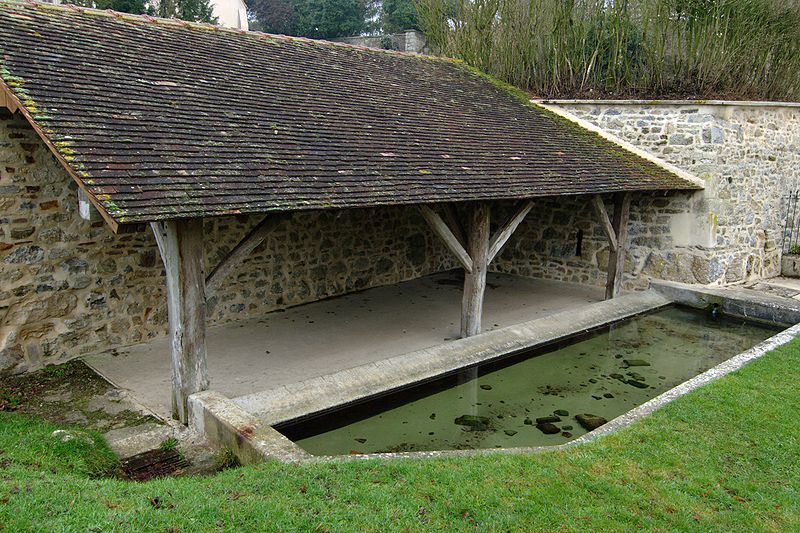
[[504, 233], [242, 250], [16, 105], [7, 101]]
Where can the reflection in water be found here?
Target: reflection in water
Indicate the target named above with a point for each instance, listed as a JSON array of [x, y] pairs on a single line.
[[605, 374]]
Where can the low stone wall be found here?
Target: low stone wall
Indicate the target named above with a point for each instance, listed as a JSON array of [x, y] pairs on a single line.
[[69, 287], [790, 266], [746, 153], [408, 41]]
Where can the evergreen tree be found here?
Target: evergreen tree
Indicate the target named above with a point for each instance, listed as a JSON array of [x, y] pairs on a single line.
[[192, 10], [272, 16], [398, 15], [326, 19], [136, 7], [318, 19]]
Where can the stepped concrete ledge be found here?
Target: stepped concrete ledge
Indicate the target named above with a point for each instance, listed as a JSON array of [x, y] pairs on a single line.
[[226, 425], [644, 154], [325, 392], [735, 301]]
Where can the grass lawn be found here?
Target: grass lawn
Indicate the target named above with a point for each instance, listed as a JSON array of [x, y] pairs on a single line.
[[725, 457]]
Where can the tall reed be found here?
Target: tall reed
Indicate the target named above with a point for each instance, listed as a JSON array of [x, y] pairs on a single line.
[[627, 48]]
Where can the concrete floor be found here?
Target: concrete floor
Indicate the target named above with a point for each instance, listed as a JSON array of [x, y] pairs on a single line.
[[336, 334]]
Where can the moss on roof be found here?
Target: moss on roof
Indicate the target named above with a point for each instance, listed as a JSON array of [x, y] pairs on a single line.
[[164, 119]]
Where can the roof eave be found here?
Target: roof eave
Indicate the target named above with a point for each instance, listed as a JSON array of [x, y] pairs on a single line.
[[12, 102]]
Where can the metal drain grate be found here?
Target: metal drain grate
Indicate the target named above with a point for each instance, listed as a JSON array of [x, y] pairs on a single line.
[[152, 464]]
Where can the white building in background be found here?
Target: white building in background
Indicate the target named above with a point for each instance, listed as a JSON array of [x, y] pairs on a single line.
[[230, 13]]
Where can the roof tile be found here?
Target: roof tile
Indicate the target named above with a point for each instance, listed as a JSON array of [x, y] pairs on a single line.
[[162, 119]]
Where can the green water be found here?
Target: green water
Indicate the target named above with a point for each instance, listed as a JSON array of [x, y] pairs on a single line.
[[588, 376]]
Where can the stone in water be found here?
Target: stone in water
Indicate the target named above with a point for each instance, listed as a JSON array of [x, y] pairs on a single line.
[[477, 423], [590, 422], [547, 428]]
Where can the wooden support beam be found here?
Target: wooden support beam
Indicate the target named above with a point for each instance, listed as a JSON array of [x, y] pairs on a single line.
[[503, 234], [616, 259], [605, 221], [454, 224], [180, 243], [475, 280], [444, 232], [241, 251]]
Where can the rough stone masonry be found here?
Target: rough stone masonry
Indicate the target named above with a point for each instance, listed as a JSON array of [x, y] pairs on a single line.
[[748, 154], [69, 287]]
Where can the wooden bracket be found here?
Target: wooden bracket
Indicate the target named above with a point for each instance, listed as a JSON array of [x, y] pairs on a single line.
[[454, 224], [503, 234], [444, 232], [605, 221], [242, 250]]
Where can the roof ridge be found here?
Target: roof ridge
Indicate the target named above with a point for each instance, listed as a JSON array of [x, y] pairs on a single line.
[[149, 19]]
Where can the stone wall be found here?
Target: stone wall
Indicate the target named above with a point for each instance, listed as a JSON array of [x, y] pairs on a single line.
[[408, 41], [747, 154], [69, 287]]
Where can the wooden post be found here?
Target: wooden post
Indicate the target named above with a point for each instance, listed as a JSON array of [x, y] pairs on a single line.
[[475, 281], [616, 256], [475, 257], [181, 245]]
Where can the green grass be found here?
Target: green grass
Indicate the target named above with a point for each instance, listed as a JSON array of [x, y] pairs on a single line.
[[724, 458]]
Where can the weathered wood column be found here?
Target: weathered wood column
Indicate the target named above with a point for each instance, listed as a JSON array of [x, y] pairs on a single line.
[[474, 251], [475, 281], [617, 235], [180, 243]]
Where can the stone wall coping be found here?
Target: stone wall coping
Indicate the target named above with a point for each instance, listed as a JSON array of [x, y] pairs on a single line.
[[731, 103]]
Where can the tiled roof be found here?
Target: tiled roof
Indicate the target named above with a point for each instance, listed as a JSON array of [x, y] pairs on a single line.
[[164, 119]]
